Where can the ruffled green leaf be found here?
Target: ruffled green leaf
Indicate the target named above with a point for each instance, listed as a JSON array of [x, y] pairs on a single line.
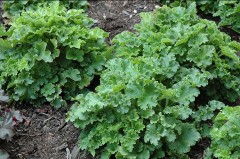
[[188, 137]]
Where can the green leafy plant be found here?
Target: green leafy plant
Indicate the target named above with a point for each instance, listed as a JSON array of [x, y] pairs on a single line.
[[132, 115], [228, 11], [50, 54], [151, 98], [15, 7], [225, 134], [186, 44]]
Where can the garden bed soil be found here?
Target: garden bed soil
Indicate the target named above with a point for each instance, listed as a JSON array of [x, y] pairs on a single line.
[[48, 136]]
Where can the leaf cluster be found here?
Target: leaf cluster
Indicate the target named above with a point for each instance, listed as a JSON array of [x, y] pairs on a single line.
[[8, 121], [15, 7], [132, 115], [50, 54], [225, 134], [228, 11], [167, 78], [189, 49]]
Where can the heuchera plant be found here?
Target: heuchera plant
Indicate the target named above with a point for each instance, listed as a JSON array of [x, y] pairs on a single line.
[[227, 11], [15, 7], [8, 121], [225, 134], [50, 54], [165, 81]]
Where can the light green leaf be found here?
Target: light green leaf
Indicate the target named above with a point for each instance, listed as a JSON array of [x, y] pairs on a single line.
[[227, 51], [75, 54], [188, 137], [40, 49], [201, 55], [48, 89]]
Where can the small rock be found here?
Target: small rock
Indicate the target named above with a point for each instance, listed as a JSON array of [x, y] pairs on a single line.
[[125, 12], [104, 16]]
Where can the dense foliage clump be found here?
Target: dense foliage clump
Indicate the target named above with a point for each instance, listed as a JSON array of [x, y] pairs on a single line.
[[228, 11], [225, 134], [165, 81], [50, 54], [16, 7]]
